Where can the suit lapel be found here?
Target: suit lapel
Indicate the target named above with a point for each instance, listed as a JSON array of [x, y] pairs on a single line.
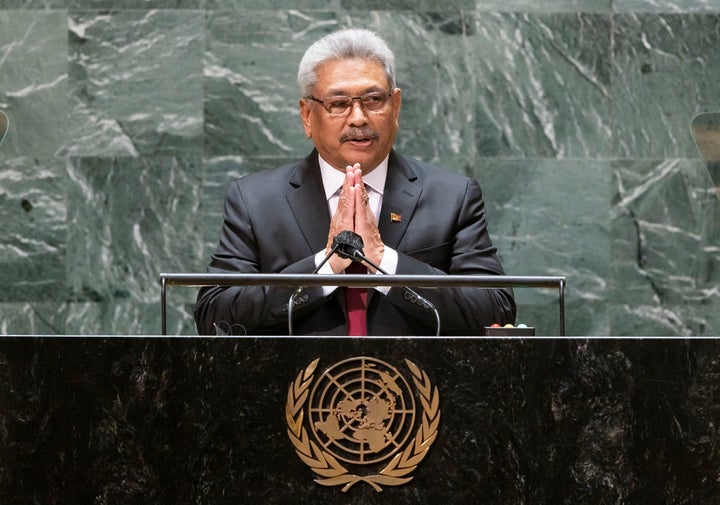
[[306, 198], [400, 199]]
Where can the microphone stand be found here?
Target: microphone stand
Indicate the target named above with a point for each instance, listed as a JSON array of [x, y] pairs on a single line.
[[348, 245], [357, 255], [291, 300]]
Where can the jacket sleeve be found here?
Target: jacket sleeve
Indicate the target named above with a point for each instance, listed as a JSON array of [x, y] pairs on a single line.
[[247, 309], [467, 250]]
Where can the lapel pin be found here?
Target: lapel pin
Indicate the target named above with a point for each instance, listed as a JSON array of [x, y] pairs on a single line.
[[395, 218]]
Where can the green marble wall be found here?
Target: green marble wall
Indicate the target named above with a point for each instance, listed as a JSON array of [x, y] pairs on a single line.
[[129, 118]]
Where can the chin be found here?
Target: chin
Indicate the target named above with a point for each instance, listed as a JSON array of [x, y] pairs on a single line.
[[364, 158]]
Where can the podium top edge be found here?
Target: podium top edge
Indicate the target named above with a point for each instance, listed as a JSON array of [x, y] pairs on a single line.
[[236, 279], [368, 338]]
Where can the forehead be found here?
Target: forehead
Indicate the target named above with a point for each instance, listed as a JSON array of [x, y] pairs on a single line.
[[350, 76]]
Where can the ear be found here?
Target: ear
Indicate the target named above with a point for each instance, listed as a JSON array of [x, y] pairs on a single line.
[[305, 110], [397, 103]]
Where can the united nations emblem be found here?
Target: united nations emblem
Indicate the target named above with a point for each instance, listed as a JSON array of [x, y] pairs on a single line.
[[362, 413]]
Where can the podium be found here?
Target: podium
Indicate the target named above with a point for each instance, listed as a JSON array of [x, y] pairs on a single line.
[[156, 419]]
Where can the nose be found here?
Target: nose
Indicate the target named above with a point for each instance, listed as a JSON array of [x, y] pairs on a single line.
[[357, 113]]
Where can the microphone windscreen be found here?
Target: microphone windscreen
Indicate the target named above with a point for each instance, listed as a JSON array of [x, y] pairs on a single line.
[[348, 243], [347, 237]]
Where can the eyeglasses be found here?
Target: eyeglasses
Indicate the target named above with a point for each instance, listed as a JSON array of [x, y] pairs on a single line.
[[339, 105]]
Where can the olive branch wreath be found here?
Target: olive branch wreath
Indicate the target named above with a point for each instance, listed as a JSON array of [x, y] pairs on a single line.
[[332, 472]]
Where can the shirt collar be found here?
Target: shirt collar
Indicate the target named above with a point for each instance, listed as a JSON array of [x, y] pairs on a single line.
[[333, 178]]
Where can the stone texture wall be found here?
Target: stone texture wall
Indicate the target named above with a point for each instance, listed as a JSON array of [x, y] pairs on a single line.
[[129, 118]]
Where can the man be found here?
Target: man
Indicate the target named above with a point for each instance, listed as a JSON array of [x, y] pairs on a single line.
[[412, 218]]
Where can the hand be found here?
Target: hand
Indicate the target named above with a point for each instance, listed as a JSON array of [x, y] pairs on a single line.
[[354, 213], [343, 219], [365, 223]]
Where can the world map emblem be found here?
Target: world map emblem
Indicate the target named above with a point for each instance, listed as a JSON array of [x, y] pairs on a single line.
[[361, 420]]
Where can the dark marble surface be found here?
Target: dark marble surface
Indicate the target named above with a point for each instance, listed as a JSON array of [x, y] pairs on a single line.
[[201, 420]]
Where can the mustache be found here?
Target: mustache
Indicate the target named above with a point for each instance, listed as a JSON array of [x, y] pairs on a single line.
[[362, 132]]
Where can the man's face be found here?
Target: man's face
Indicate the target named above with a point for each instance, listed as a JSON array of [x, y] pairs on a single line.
[[360, 135]]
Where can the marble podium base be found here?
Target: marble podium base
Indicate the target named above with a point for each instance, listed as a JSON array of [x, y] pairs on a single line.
[[108, 420]]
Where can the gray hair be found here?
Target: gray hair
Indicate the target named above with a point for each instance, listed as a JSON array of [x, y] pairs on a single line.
[[344, 44]]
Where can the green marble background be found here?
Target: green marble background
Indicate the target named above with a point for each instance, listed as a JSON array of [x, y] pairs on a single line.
[[130, 117]]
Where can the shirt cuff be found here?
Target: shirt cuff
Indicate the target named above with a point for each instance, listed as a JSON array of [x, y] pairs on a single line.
[[389, 265], [326, 269]]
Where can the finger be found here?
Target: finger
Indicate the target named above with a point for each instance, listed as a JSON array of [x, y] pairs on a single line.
[[355, 173], [362, 200], [350, 173], [344, 216], [349, 180], [365, 224], [346, 199], [358, 174]]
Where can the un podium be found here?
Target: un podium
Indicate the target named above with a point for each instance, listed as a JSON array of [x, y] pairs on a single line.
[[231, 420]]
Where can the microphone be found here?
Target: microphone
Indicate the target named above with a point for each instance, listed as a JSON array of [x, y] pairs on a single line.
[[349, 245]]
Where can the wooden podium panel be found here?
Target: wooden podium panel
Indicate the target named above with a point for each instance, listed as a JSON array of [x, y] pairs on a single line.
[[176, 420]]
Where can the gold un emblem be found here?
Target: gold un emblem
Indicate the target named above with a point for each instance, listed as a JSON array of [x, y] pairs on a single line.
[[363, 418]]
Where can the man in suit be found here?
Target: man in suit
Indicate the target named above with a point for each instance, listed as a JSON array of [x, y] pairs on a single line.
[[413, 218]]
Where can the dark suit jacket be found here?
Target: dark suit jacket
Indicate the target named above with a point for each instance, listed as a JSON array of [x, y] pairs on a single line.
[[277, 220]]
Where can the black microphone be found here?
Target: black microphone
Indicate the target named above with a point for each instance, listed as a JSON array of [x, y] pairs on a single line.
[[349, 246]]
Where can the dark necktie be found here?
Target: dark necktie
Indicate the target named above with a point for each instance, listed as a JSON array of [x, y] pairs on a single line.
[[356, 304]]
